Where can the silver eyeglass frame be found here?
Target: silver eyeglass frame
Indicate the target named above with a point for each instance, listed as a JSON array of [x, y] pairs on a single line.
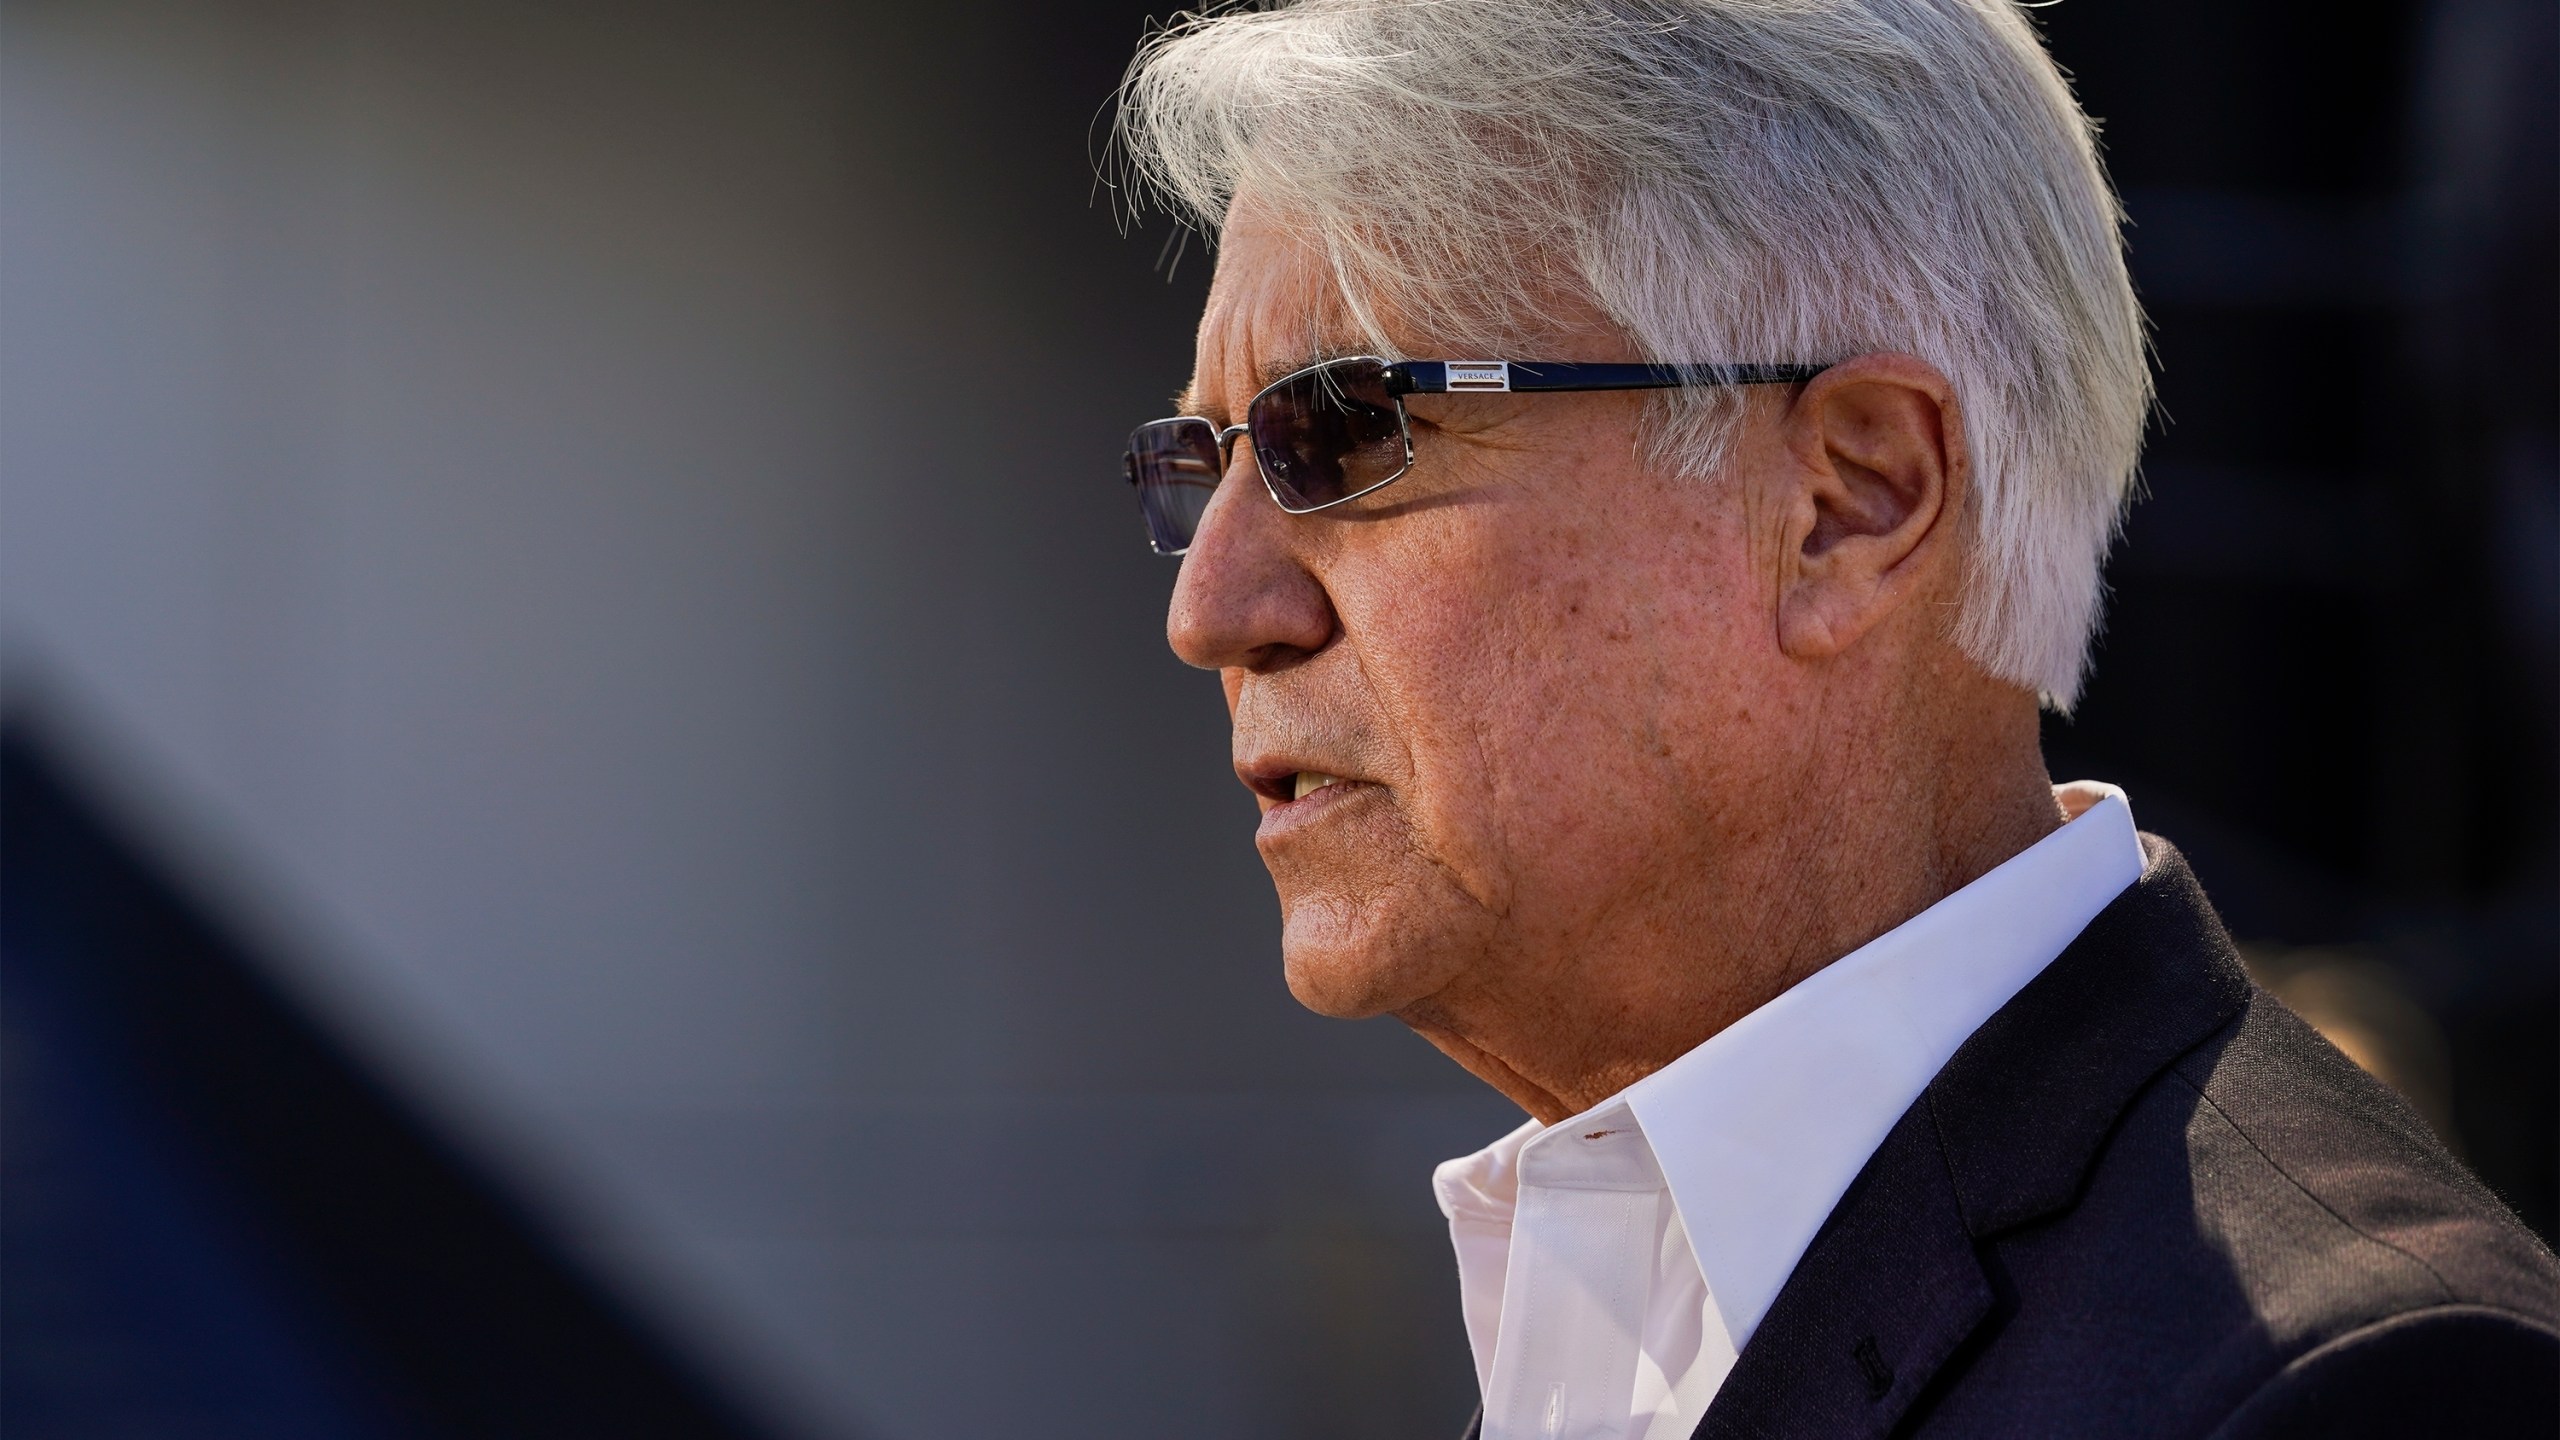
[[1449, 377], [1228, 435]]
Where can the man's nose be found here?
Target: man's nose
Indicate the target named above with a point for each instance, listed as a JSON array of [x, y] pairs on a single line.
[[1245, 596]]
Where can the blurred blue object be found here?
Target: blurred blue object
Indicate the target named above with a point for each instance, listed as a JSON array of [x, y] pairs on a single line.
[[215, 1223]]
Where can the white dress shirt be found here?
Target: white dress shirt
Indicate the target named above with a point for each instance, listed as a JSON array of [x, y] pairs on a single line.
[[1612, 1266]]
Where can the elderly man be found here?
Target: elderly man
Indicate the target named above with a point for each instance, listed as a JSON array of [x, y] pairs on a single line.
[[1647, 461]]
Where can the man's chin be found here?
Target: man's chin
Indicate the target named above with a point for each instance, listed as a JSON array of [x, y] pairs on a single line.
[[1341, 989], [1342, 963]]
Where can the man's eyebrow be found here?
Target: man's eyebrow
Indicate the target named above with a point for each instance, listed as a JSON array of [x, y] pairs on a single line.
[[1272, 370], [1188, 402]]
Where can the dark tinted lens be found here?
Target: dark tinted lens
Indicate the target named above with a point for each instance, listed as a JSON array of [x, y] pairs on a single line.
[[1328, 434], [1174, 464]]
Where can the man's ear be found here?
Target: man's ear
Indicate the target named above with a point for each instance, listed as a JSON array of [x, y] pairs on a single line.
[[1879, 465]]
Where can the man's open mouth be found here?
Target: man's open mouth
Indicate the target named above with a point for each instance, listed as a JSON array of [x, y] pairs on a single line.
[[1308, 782]]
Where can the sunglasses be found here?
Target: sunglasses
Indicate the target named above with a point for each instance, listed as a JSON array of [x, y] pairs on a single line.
[[1337, 430]]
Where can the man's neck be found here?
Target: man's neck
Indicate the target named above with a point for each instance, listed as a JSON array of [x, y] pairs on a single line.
[[1562, 1031]]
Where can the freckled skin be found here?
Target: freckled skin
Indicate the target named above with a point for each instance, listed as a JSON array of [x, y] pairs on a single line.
[[1633, 751]]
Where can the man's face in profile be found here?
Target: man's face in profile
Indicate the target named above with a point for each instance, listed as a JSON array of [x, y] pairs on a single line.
[[1480, 708]]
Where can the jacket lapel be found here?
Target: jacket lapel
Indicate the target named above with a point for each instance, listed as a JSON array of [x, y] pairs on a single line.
[[1893, 1284], [1886, 1293]]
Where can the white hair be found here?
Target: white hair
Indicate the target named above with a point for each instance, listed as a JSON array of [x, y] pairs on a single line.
[[1749, 181]]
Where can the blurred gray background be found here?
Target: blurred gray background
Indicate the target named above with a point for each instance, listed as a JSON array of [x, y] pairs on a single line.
[[602, 524], [593, 530]]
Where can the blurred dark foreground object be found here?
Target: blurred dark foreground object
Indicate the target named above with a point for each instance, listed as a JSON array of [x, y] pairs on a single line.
[[213, 1223]]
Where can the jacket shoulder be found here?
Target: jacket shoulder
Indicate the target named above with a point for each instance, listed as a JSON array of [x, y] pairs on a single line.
[[2144, 1199], [2331, 1198], [2259, 1201]]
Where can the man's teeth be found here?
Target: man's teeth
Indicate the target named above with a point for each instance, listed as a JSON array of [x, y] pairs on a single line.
[[1311, 781]]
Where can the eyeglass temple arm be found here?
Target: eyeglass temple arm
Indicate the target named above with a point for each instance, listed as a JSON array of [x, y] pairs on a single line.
[[1444, 377]]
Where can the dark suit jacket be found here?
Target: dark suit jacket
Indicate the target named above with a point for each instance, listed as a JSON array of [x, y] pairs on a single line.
[[2146, 1200]]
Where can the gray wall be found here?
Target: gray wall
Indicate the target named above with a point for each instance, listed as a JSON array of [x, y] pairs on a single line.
[[596, 527]]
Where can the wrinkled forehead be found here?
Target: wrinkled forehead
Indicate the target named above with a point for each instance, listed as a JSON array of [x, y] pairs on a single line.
[[1274, 307], [1277, 304]]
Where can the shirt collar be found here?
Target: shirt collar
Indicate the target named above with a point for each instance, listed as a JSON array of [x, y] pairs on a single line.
[[1483, 1189]]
